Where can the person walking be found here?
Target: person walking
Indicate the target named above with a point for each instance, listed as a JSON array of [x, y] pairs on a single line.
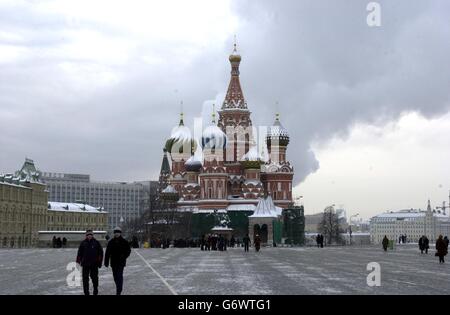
[[246, 241], [90, 257], [321, 240], [54, 241], [385, 243], [64, 242], [232, 241], [117, 252], [441, 249], [421, 244], [318, 240], [426, 244], [257, 242]]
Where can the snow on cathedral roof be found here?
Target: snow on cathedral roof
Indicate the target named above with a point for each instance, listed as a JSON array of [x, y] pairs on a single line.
[[266, 208]]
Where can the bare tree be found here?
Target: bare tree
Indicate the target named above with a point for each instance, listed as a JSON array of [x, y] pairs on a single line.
[[330, 226]]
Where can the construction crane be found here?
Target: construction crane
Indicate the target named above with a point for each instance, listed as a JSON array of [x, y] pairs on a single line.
[[444, 206]]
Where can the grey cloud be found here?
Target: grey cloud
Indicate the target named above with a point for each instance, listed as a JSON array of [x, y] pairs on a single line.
[[318, 59]]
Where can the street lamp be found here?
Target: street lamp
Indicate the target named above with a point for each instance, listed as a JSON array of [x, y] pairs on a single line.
[[350, 226]]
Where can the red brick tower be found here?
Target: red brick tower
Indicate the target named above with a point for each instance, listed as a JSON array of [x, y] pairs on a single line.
[[278, 173], [235, 121]]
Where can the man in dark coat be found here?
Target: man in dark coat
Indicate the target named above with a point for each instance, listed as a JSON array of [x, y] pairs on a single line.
[[90, 257], [257, 242], [117, 251], [318, 240], [321, 240], [426, 244], [385, 243], [246, 241], [421, 244], [441, 249], [232, 241]]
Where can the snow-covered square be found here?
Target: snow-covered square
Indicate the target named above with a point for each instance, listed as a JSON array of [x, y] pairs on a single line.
[[302, 270]]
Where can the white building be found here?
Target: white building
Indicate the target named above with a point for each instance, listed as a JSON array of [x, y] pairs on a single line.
[[412, 223], [123, 200]]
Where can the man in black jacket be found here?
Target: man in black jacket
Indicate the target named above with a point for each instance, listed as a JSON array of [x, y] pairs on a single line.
[[118, 250], [246, 241], [90, 257]]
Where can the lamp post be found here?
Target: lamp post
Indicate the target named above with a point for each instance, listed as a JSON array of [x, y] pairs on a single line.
[[350, 226]]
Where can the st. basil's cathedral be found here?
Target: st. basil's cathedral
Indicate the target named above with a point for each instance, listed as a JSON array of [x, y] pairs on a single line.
[[230, 175]]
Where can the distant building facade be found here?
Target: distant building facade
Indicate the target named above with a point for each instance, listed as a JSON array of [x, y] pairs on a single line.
[[75, 217], [23, 207], [25, 211], [412, 223], [124, 201]]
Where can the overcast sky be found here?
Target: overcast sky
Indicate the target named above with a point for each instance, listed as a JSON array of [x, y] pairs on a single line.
[[94, 87]]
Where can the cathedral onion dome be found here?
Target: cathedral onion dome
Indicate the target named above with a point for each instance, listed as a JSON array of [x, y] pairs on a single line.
[[193, 164], [213, 137], [181, 139], [277, 133], [252, 159]]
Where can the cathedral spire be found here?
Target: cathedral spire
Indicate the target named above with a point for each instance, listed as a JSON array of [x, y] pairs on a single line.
[[234, 98], [164, 174]]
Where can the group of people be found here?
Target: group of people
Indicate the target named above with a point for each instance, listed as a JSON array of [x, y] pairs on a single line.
[[58, 243], [220, 242], [402, 239], [90, 257], [441, 245], [319, 240], [214, 242]]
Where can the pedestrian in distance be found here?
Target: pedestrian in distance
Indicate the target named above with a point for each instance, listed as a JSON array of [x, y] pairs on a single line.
[[318, 240], [446, 241], [257, 243], [385, 243], [54, 241], [90, 257], [117, 252], [321, 240], [441, 249], [421, 244], [426, 244], [246, 241], [64, 242]]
